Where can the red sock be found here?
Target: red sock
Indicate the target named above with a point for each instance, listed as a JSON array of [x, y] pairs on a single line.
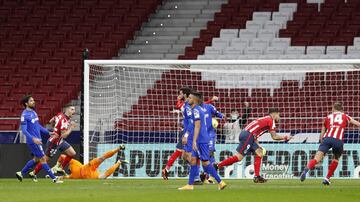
[[66, 161], [173, 158], [312, 163], [257, 165], [37, 168], [228, 161], [198, 162], [332, 168]]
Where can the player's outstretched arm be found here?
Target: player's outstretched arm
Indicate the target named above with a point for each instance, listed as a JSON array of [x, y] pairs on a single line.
[[355, 122], [275, 136]]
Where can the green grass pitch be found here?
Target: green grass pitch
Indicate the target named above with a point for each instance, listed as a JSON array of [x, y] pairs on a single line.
[[158, 190]]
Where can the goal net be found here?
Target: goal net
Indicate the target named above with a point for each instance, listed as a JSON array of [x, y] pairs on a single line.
[[133, 103]]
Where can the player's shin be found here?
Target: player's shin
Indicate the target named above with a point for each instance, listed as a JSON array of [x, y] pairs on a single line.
[[46, 167], [37, 168], [30, 164], [192, 174], [257, 165], [110, 153], [332, 168], [172, 159], [66, 161], [112, 169], [228, 161], [211, 170]]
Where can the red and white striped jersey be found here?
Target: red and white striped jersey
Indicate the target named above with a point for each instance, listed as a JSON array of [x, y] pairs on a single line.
[[62, 123], [260, 126], [335, 125]]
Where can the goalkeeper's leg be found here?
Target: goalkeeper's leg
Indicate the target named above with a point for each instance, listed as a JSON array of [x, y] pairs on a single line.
[[95, 163], [112, 169]]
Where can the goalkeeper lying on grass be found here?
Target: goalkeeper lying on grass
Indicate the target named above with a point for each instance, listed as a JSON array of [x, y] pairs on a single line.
[[89, 171]]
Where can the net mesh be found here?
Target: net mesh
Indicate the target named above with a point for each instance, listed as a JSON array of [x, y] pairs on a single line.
[[135, 105]]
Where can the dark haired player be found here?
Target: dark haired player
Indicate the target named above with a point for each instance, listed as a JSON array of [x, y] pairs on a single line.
[[331, 136], [199, 143], [31, 128], [63, 128], [248, 142], [182, 104]]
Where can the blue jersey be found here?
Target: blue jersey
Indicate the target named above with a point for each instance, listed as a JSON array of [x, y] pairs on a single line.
[[188, 122], [200, 114], [30, 126], [211, 111]]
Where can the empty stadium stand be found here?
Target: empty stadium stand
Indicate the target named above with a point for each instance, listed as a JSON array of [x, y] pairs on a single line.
[[41, 43]]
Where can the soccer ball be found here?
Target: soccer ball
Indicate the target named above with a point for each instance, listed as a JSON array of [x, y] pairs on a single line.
[[215, 123]]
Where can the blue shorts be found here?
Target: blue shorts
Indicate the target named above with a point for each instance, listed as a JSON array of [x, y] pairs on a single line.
[[247, 143], [329, 142], [203, 152], [36, 150], [52, 148], [179, 144], [188, 146]]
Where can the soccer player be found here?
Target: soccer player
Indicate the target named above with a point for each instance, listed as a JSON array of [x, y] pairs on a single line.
[[182, 104], [248, 142], [199, 143], [331, 136], [31, 129], [63, 128], [211, 112], [89, 171]]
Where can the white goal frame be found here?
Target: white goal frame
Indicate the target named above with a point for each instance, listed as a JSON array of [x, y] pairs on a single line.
[[87, 64]]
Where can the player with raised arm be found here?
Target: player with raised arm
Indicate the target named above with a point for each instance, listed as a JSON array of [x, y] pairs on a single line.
[[199, 143], [331, 136], [31, 128], [211, 124], [181, 104], [63, 128], [89, 171], [248, 142]]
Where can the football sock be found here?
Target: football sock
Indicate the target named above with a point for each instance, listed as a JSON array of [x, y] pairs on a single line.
[[37, 168], [28, 166], [228, 161], [211, 170], [173, 158], [192, 174], [66, 161], [108, 154], [257, 165], [311, 164], [46, 167], [332, 168]]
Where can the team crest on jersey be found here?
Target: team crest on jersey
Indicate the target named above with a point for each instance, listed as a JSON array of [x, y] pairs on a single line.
[[188, 112]]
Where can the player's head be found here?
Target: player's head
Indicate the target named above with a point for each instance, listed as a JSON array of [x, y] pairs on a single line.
[[337, 107], [185, 92], [69, 110], [195, 98], [275, 114], [28, 101]]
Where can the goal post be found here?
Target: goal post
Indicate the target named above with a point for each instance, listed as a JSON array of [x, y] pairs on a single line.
[[132, 102]]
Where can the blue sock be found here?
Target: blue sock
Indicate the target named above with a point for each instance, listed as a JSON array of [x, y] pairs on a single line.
[[192, 174], [211, 171], [28, 166], [212, 160], [46, 167], [197, 176]]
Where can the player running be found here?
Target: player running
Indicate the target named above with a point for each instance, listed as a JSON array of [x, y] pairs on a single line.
[[89, 171], [199, 143], [248, 142], [31, 128], [331, 136], [182, 104], [63, 128]]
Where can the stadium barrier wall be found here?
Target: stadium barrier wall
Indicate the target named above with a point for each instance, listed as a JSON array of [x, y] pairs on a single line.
[[147, 160]]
